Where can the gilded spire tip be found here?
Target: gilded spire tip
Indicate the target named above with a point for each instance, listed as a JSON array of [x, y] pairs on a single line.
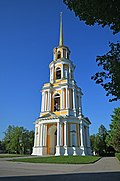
[[61, 31]]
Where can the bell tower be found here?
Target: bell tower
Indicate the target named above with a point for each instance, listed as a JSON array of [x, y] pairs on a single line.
[[61, 96], [61, 128]]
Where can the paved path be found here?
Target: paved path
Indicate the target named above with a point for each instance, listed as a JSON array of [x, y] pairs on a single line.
[[107, 168]]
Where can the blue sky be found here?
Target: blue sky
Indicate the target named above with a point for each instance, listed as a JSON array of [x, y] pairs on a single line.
[[29, 30]]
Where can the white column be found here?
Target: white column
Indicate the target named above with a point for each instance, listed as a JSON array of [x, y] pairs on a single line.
[[80, 106], [74, 101], [41, 135], [65, 138], [35, 143], [63, 98], [61, 135], [78, 135], [69, 72], [51, 74], [58, 140], [66, 97], [48, 101], [44, 101], [65, 133], [42, 105], [58, 133], [88, 137], [82, 135], [66, 54], [62, 71], [45, 132]]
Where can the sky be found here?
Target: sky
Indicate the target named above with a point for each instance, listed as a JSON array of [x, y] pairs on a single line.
[[29, 30]]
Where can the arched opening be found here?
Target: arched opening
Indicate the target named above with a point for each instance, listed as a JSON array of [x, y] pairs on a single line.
[[66, 73], [67, 55], [73, 138], [64, 53], [58, 73], [57, 102], [59, 55], [52, 133]]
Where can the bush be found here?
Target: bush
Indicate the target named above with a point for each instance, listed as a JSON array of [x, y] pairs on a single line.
[[118, 156]]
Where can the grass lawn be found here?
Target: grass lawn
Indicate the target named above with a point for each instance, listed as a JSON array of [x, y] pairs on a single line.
[[60, 159], [11, 155]]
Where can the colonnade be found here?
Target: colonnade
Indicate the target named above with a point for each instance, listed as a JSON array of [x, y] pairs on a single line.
[[46, 101], [65, 98], [82, 135], [66, 73]]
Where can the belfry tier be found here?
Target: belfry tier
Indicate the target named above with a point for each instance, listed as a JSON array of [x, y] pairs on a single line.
[[61, 95]]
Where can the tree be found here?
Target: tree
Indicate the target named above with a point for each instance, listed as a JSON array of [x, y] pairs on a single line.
[[109, 78], [18, 140], [92, 142], [105, 13], [31, 141], [1, 146], [7, 138], [102, 131], [100, 144], [113, 138]]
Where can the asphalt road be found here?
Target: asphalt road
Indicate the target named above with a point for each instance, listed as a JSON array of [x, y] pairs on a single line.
[[106, 169]]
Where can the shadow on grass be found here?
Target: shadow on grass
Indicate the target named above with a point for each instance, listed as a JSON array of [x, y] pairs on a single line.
[[102, 176]]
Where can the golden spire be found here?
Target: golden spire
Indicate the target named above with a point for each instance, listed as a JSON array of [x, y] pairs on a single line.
[[61, 31]]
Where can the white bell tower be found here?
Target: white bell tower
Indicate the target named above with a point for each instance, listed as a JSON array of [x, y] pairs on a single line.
[[61, 128]]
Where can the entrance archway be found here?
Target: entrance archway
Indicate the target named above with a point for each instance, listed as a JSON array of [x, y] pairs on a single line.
[[52, 134]]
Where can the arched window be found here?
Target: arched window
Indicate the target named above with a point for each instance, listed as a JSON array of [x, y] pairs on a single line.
[[64, 53], [58, 73], [66, 73], [73, 138], [59, 55], [56, 102], [67, 55]]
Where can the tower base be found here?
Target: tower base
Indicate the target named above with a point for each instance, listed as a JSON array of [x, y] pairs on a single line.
[[62, 151]]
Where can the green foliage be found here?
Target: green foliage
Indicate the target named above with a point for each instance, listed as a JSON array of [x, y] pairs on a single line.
[[100, 145], [109, 77], [118, 156], [105, 13], [1, 147], [18, 140], [102, 131], [113, 138], [98, 142], [92, 142]]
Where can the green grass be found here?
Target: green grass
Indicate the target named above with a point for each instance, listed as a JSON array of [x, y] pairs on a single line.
[[11, 155], [60, 159], [118, 156]]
